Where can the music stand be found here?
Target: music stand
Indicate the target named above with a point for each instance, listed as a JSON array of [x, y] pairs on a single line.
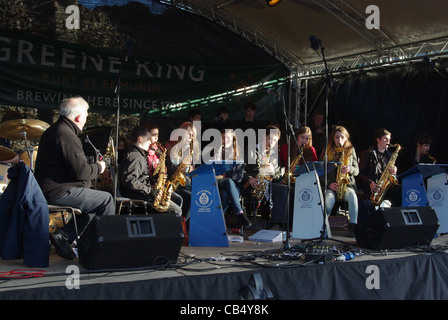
[[415, 194], [308, 201], [207, 224]]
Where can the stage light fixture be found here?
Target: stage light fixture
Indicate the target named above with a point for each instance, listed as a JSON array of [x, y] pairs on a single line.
[[272, 3]]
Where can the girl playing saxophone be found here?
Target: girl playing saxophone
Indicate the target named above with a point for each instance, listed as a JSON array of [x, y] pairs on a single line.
[[341, 182]]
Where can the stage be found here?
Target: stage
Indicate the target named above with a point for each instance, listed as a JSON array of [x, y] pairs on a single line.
[[248, 270]]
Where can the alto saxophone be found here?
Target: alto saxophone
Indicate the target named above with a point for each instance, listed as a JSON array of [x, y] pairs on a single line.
[[162, 200], [433, 159], [293, 164], [342, 179], [263, 178], [387, 179]]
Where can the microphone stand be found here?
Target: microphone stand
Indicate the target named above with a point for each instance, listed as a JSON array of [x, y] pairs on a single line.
[[127, 53], [289, 133], [316, 44], [115, 165], [97, 151]]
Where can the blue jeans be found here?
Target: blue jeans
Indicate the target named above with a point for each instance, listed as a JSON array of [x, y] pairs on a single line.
[[230, 194], [350, 197]]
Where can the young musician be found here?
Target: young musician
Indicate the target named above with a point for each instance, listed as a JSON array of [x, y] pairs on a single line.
[[305, 140], [340, 149], [134, 175], [155, 152], [183, 149], [419, 153], [229, 184], [372, 164], [275, 193]]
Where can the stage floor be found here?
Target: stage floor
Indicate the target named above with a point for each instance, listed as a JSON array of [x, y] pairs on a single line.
[[215, 266]]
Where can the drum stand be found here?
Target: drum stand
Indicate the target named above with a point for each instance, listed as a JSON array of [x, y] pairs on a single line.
[[28, 149]]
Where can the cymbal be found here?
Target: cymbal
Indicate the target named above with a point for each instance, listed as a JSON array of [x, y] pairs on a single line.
[[22, 128], [6, 154]]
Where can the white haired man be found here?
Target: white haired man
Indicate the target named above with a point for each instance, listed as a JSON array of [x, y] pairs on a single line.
[[64, 173]]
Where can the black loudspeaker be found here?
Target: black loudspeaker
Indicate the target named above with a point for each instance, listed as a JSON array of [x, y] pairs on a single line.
[[397, 228], [130, 241]]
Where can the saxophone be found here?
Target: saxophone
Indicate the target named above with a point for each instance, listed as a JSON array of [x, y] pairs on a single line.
[[342, 179], [387, 179], [293, 164], [161, 168], [263, 178], [433, 159], [162, 200]]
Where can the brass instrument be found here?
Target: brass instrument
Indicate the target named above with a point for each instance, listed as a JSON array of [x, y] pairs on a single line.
[[433, 159], [387, 179], [110, 152], [161, 168], [162, 200], [342, 179], [292, 165], [263, 178]]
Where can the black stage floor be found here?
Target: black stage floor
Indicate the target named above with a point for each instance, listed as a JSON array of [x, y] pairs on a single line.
[[246, 270]]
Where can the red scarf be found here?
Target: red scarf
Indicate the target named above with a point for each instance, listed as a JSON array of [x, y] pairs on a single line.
[[153, 159]]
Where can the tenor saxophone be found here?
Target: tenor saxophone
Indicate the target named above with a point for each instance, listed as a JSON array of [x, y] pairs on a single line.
[[161, 168], [162, 200], [342, 179], [263, 178], [387, 179]]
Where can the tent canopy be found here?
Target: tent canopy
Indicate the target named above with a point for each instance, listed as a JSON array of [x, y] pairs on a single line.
[[284, 30]]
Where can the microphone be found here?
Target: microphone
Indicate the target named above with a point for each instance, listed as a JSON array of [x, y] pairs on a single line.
[[315, 43]]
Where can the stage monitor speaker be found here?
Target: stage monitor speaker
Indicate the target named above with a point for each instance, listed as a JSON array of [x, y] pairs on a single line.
[[397, 228], [130, 241]]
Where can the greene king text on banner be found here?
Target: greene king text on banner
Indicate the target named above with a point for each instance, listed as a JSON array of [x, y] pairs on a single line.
[[40, 73]]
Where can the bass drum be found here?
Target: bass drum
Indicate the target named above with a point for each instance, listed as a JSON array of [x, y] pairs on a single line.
[[25, 156]]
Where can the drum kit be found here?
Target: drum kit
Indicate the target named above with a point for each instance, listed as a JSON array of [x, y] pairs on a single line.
[[19, 129]]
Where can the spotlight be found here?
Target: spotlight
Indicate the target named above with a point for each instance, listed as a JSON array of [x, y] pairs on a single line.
[[272, 3]]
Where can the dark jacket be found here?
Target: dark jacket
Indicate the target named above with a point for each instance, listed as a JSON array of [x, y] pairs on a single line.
[[24, 219], [406, 160], [135, 181], [61, 162], [371, 167]]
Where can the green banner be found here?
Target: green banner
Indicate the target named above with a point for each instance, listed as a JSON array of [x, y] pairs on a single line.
[[39, 73]]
